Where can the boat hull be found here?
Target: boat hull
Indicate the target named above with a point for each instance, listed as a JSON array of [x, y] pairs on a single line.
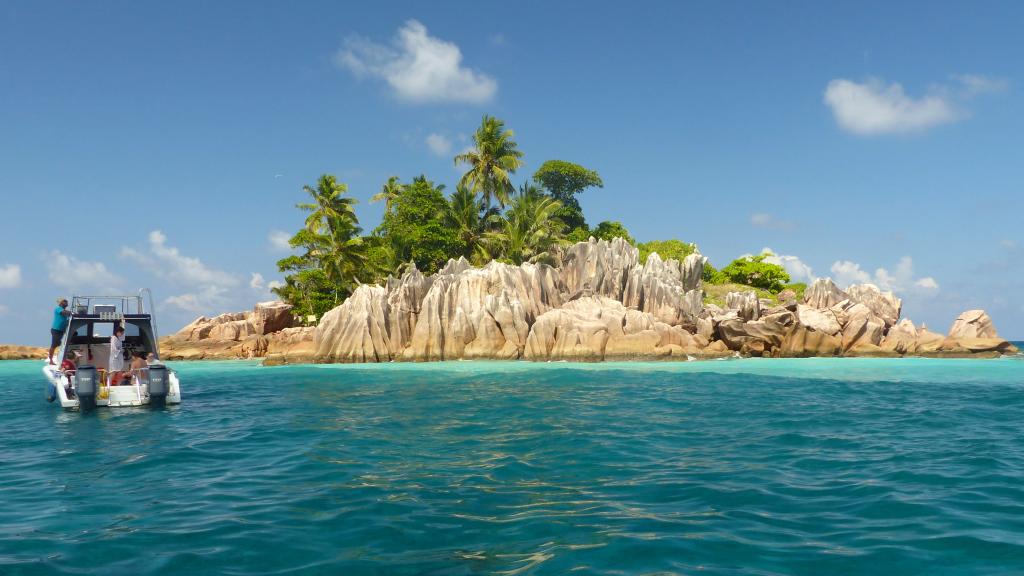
[[127, 395]]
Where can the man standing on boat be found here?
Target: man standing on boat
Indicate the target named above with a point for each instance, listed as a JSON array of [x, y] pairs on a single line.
[[60, 324], [115, 365]]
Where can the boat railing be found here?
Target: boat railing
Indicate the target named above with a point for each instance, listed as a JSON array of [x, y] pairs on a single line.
[[107, 305]]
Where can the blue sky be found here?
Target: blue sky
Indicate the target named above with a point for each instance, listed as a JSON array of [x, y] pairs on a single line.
[[165, 144]]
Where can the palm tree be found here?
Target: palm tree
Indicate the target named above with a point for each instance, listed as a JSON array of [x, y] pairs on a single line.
[[530, 229], [496, 156], [468, 216], [389, 193], [331, 236], [329, 207]]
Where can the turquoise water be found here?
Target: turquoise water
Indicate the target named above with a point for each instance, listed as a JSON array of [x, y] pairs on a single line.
[[816, 466]]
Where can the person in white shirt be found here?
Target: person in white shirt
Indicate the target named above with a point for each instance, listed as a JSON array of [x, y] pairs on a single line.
[[115, 366]]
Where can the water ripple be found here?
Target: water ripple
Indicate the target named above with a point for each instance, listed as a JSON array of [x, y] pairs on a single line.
[[740, 467]]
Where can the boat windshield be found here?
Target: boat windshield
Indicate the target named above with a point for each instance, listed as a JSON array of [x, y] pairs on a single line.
[[91, 337]]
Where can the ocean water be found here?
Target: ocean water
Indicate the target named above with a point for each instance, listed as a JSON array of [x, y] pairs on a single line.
[[816, 466]]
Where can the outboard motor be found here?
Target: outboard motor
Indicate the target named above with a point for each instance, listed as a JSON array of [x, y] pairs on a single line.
[[85, 387], [159, 384]]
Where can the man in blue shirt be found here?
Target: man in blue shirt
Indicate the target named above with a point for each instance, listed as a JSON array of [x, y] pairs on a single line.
[[60, 324]]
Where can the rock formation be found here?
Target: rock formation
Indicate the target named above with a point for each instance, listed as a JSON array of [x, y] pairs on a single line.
[[229, 336], [973, 324], [602, 303], [15, 352]]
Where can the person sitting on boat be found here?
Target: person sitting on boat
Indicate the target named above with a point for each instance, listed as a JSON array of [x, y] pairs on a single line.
[[115, 366], [60, 324], [139, 366], [69, 366]]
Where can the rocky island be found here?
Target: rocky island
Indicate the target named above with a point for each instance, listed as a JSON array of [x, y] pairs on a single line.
[[599, 303]]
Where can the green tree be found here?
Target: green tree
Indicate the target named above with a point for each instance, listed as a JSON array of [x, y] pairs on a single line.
[[528, 231], [332, 256], [675, 249], [468, 216], [417, 229], [389, 193], [564, 180], [754, 271], [329, 207], [713, 275], [494, 159], [581, 234], [610, 229]]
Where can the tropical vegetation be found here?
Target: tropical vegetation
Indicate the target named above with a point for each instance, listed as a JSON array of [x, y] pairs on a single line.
[[485, 217]]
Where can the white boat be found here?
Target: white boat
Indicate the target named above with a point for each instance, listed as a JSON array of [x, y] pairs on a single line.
[[79, 376]]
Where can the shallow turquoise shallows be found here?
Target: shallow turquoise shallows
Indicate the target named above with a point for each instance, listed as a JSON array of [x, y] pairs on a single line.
[[817, 466]]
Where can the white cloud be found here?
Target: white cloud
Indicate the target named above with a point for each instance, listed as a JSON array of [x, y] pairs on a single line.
[[168, 262], [769, 222], [10, 276], [419, 67], [278, 240], [274, 284], [208, 288], [74, 274], [256, 281], [439, 144], [974, 84], [206, 300], [796, 268], [900, 280], [873, 108]]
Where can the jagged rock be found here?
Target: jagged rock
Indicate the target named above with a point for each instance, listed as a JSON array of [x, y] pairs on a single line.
[[598, 328], [291, 346], [972, 346], [235, 330], [716, 349], [885, 305], [270, 317], [600, 305], [482, 312], [928, 342], [901, 338], [803, 342], [973, 324], [820, 320], [691, 271], [787, 296], [705, 328], [253, 347], [203, 328], [15, 352], [265, 318], [823, 293], [862, 331], [746, 304], [599, 267], [404, 296], [758, 337], [692, 306], [356, 331], [667, 289]]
